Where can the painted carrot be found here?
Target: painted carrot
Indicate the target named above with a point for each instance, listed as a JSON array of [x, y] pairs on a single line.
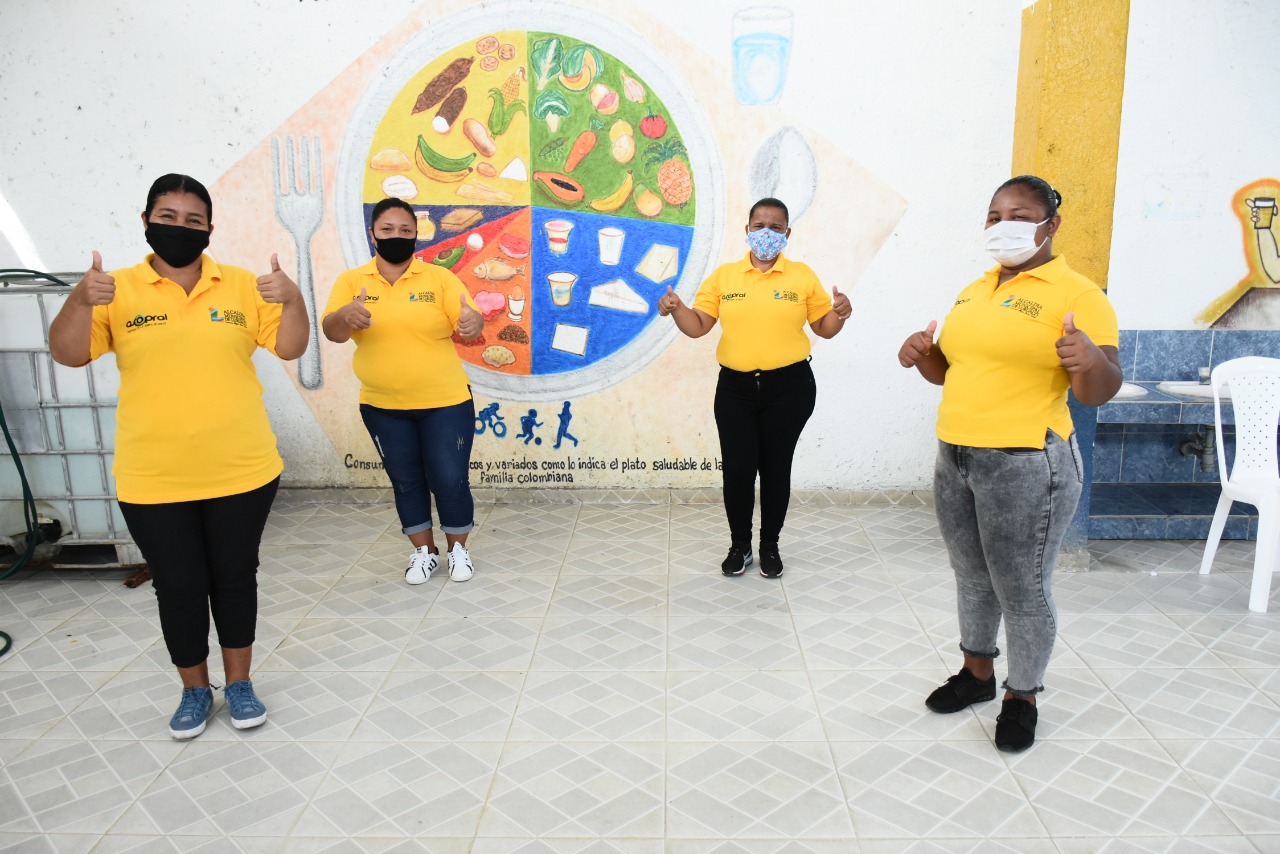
[[582, 145]]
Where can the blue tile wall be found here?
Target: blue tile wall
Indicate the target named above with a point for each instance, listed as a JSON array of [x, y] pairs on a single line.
[[1108, 447], [1231, 344], [1154, 458], [1128, 340], [1171, 354], [1127, 527]]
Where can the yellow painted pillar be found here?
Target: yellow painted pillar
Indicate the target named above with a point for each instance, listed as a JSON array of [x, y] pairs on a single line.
[[1067, 120]]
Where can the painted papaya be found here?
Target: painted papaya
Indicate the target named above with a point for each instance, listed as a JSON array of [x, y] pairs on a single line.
[[560, 187]]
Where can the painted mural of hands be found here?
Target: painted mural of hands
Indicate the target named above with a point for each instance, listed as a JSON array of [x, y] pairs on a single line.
[[1262, 212], [96, 287], [917, 346], [840, 304], [669, 302], [470, 321], [276, 286]]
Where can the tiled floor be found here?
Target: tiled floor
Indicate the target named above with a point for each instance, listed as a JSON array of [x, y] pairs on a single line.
[[600, 687]]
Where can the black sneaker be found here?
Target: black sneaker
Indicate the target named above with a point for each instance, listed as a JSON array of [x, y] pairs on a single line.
[[738, 560], [1016, 725], [961, 691], [770, 560]]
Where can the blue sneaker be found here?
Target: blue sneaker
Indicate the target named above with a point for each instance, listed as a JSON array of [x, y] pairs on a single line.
[[193, 711], [246, 709]]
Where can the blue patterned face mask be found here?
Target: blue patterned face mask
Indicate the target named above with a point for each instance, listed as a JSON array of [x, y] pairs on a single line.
[[765, 243]]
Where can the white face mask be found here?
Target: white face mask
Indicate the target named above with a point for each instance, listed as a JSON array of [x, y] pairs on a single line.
[[1011, 242]]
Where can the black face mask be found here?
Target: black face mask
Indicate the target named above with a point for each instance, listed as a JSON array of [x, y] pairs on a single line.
[[177, 245], [395, 250]]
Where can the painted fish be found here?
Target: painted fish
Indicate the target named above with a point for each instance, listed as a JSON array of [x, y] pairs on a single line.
[[497, 270]]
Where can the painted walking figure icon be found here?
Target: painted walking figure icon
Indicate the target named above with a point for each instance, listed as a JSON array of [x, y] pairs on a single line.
[[563, 433], [527, 423], [489, 417]]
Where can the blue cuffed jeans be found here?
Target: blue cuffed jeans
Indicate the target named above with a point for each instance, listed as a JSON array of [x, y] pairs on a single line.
[[1003, 514], [426, 452]]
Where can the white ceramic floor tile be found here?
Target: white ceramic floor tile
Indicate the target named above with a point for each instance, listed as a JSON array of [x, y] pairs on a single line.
[[763, 846], [471, 643], [891, 642], [398, 788], [845, 593], [634, 523], [612, 594], [83, 786], [888, 705], [576, 789], [1115, 788], [732, 643], [1159, 845], [520, 556], [898, 523], [1241, 776], [929, 789], [50, 595], [1079, 703], [90, 644], [602, 643], [48, 843], [1200, 703], [741, 705], [715, 593], [442, 706], [342, 644], [764, 790], [231, 788], [591, 706], [561, 845], [531, 521], [310, 561], [614, 557], [495, 595], [303, 707], [1239, 640], [917, 555], [1137, 640]]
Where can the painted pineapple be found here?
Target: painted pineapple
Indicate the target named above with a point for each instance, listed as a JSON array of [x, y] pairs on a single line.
[[674, 181]]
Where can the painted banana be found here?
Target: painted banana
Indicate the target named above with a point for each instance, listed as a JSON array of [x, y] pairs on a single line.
[[437, 167], [617, 198]]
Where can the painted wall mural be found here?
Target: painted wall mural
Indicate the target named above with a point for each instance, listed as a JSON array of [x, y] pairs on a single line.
[[1254, 302], [569, 166]]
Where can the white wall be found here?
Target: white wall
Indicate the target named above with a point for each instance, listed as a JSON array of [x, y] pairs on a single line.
[[99, 98], [1201, 119]]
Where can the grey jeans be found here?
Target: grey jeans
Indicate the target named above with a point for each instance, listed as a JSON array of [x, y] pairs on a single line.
[[1003, 514]]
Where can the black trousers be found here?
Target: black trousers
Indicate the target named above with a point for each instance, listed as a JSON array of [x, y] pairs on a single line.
[[203, 556], [759, 415]]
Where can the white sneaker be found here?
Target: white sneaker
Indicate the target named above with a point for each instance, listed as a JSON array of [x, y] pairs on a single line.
[[421, 564], [460, 568]]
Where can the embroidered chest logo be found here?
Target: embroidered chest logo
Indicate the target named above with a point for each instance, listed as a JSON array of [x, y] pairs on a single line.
[[422, 296], [229, 315], [1026, 306], [144, 320], [732, 297], [963, 301], [789, 296], [368, 298]]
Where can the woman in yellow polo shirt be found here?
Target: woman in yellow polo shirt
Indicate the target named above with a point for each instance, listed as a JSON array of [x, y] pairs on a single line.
[[414, 397], [196, 465], [1008, 474], [766, 391]]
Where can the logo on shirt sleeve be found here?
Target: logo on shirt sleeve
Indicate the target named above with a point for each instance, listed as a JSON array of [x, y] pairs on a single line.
[[1026, 306], [228, 315]]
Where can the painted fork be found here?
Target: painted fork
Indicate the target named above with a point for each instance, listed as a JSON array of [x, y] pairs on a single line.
[[300, 209]]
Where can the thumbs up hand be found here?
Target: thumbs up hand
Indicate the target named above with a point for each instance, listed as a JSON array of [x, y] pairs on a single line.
[[96, 287], [355, 315], [669, 302], [470, 321], [1076, 352], [917, 346], [276, 286], [840, 304]]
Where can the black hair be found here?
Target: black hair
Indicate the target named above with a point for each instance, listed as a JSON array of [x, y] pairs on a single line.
[[175, 183], [387, 204], [1039, 187], [770, 202]]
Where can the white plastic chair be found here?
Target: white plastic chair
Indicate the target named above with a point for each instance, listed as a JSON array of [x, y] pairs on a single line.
[[1254, 477]]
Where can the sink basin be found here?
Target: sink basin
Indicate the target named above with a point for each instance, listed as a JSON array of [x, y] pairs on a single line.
[[1190, 388], [1129, 391]]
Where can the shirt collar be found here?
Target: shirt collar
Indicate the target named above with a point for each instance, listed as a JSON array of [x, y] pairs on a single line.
[[209, 271], [416, 266], [779, 264], [1052, 271]]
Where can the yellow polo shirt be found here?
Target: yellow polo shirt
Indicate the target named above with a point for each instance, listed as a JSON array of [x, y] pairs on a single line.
[[1005, 386], [762, 315], [406, 358], [190, 423]]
